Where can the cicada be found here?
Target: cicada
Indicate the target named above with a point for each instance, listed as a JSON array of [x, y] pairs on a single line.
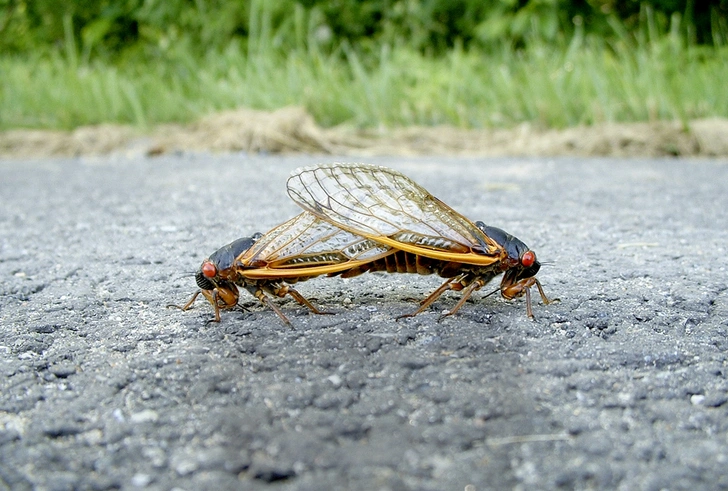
[[267, 264], [427, 235]]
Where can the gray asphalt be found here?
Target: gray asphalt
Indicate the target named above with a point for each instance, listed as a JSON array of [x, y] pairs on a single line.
[[622, 384]]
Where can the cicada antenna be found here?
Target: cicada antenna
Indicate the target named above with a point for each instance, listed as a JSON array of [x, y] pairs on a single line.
[[491, 293], [186, 274]]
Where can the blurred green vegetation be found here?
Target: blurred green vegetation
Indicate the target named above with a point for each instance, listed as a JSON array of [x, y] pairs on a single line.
[[373, 62], [122, 27]]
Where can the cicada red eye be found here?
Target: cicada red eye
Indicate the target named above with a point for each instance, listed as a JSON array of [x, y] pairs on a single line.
[[209, 269], [529, 257]]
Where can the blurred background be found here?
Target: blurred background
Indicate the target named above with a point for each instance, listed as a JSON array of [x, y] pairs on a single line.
[[369, 64]]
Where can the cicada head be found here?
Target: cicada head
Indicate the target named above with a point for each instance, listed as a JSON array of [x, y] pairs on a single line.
[[521, 261], [217, 272]]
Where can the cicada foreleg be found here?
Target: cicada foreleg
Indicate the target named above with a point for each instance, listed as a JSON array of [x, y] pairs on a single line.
[[220, 298], [524, 287], [188, 305], [213, 297], [210, 295]]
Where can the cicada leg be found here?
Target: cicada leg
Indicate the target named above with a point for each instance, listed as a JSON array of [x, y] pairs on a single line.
[[524, 287], [467, 292], [188, 305], [449, 284], [260, 295], [220, 298], [303, 301], [211, 296], [215, 299], [281, 290]]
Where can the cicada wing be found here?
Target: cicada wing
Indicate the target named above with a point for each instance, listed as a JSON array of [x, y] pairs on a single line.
[[385, 205], [306, 245]]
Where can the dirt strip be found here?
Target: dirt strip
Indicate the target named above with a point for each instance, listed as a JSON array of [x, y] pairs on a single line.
[[293, 130]]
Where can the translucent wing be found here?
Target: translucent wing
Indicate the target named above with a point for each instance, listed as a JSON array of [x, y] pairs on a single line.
[[308, 246], [386, 206]]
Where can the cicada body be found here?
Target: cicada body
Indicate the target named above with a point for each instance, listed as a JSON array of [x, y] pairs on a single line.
[[387, 207], [302, 248], [267, 264]]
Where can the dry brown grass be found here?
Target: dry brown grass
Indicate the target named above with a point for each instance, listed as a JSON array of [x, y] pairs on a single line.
[[292, 129]]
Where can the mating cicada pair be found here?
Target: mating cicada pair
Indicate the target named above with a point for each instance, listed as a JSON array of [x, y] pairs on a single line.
[[362, 218]]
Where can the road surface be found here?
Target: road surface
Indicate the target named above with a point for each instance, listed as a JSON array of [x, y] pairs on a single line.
[[622, 384]]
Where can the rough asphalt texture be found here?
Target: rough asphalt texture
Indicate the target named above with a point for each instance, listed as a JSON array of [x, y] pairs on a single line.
[[623, 384]]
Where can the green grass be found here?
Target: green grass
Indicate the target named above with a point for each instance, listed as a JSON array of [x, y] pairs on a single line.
[[585, 82]]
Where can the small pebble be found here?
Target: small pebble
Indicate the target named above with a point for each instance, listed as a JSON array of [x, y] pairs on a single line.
[[141, 480], [145, 416], [697, 399]]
